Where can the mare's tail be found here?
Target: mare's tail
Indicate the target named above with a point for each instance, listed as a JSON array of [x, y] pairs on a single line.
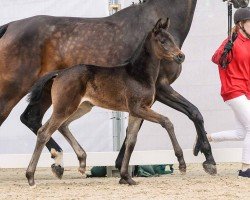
[[38, 88]]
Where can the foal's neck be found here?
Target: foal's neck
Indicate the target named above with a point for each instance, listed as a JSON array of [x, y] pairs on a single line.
[[144, 65]]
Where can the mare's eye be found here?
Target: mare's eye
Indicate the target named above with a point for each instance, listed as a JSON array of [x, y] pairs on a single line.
[[162, 42]]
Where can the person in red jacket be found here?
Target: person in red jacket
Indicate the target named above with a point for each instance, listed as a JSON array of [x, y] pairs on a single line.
[[234, 70]]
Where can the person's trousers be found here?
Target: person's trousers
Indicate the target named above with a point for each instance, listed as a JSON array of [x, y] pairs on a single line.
[[241, 108]]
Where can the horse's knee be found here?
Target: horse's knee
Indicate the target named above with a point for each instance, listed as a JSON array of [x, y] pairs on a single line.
[[167, 124], [82, 157], [63, 128]]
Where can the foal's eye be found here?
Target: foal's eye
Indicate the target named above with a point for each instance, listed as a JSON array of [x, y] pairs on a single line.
[[162, 42]]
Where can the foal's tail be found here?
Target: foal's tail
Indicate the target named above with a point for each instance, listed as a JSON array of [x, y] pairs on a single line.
[[3, 29], [37, 89]]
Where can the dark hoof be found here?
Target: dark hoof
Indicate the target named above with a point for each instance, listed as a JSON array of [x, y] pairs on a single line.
[[210, 168], [57, 170], [130, 181], [31, 181], [122, 181], [183, 169]]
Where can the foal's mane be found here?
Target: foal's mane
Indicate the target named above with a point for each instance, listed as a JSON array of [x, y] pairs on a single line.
[[138, 50]]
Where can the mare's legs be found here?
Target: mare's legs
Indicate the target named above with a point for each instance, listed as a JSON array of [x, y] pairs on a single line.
[[168, 96]]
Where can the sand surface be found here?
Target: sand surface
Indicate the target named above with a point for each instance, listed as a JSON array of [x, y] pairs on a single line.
[[196, 184]]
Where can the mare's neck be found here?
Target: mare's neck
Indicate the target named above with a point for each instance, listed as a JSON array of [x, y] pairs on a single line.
[[180, 12]]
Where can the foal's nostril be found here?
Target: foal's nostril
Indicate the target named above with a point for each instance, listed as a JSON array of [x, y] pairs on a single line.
[[181, 57]]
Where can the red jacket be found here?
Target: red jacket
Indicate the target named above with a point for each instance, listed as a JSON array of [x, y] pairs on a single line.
[[235, 79]]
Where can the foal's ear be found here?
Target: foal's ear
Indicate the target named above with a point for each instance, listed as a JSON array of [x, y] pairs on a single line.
[[166, 24], [157, 27]]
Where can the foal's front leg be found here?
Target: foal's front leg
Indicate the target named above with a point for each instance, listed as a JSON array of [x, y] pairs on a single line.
[[150, 115], [168, 96], [129, 144]]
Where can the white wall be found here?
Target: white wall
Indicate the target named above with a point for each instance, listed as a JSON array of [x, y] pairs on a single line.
[[199, 81], [16, 137]]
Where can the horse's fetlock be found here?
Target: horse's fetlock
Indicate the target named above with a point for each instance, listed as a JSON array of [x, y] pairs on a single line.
[[29, 174], [179, 153], [124, 174], [81, 157]]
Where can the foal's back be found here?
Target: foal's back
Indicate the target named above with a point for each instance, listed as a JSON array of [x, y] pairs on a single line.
[[104, 87]]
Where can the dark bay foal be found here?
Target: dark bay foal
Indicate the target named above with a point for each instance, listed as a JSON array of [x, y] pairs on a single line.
[[129, 88]]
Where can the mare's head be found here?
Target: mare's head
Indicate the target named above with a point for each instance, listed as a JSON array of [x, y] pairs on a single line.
[[239, 3], [163, 44]]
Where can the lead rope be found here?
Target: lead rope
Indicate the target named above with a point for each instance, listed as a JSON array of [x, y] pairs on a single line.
[[224, 60]]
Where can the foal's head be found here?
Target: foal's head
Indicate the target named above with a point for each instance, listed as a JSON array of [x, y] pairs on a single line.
[[163, 44]]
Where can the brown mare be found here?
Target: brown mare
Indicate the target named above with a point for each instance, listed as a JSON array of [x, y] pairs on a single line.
[[129, 88], [32, 47]]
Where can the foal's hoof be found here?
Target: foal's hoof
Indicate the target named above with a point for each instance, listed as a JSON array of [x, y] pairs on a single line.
[[130, 181], [210, 168], [57, 170], [183, 169], [82, 170], [122, 181], [33, 186]]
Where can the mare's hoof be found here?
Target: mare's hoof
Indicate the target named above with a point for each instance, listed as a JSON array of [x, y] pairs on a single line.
[[57, 170], [210, 168]]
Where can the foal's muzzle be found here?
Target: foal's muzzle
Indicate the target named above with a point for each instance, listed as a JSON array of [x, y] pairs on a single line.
[[179, 58]]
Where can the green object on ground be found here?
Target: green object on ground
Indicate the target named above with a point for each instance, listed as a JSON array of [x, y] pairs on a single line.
[[154, 170], [98, 171]]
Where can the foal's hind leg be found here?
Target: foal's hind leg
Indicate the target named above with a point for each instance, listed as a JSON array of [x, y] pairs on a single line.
[[32, 118], [43, 135], [131, 137], [150, 115], [84, 108]]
